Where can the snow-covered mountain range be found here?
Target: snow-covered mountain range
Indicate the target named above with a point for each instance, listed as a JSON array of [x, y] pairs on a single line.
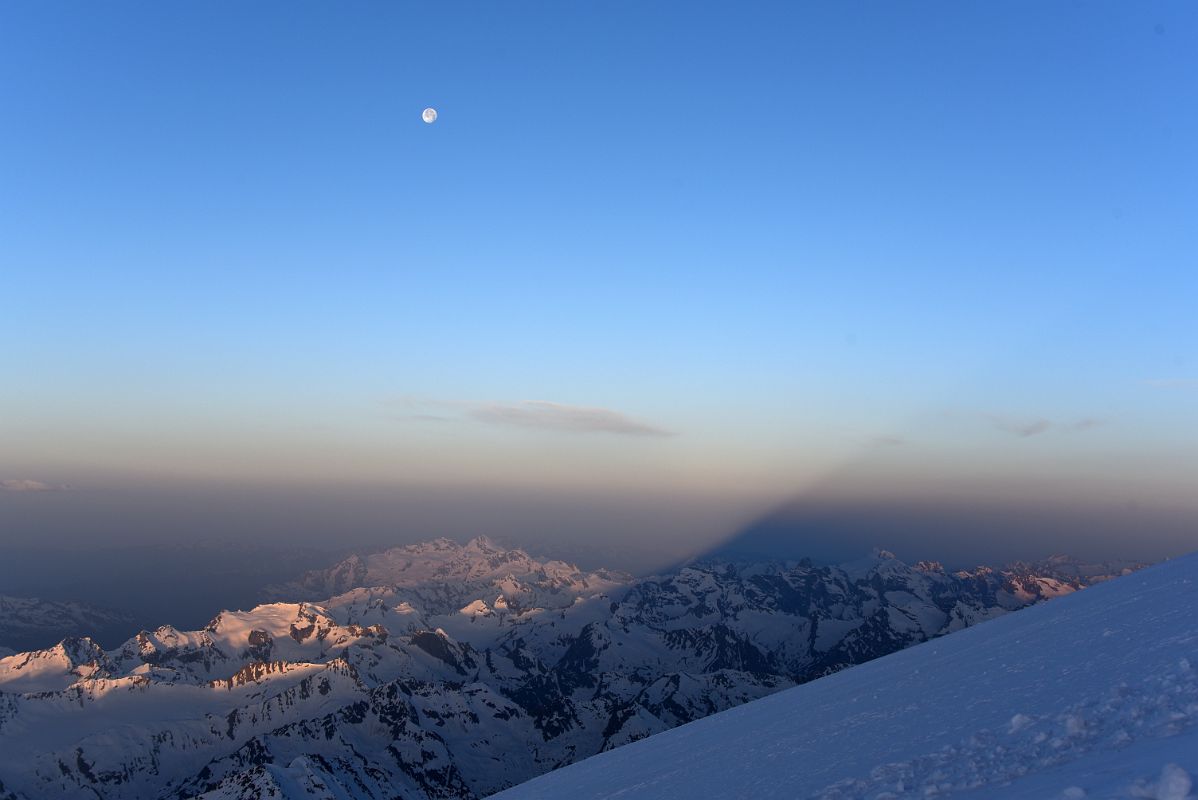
[[27, 622], [453, 671], [442, 576], [1092, 696]]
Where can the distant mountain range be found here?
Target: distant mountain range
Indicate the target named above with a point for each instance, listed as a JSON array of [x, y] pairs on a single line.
[[27, 622], [444, 670], [442, 576]]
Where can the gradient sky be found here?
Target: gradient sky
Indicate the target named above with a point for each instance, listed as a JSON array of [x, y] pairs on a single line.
[[700, 255]]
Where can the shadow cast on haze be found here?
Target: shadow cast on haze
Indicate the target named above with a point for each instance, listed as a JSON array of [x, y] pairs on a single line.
[[928, 512], [959, 532]]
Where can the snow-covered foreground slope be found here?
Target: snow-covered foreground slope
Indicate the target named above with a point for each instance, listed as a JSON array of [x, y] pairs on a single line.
[[1094, 695]]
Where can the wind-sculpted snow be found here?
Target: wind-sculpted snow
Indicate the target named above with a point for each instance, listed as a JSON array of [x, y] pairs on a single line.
[[1092, 696], [457, 671]]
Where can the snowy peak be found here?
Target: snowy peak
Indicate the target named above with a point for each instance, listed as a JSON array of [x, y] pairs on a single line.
[[54, 668], [1073, 571], [447, 576], [1022, 582]]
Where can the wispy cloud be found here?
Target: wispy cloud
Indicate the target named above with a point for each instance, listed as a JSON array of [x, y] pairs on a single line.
[[1173, 383], [26, 485], [532, 414], [544, 415], [1023, 428], [1026, 427]]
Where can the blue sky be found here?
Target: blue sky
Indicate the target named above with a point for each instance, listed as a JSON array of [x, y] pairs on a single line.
[[929, 245]]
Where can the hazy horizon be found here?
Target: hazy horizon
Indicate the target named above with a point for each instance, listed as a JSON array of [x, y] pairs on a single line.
[[654, 283], [179, 557]]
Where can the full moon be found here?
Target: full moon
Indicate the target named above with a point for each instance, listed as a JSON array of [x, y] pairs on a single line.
[[429, 115]]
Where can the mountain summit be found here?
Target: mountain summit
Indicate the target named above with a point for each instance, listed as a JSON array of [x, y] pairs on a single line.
[[446, 576]]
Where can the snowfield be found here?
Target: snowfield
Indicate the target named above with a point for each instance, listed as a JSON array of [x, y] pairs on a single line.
[[1094, 695]]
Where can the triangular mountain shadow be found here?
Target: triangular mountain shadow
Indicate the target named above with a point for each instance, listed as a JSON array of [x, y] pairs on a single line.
[[960, 533]]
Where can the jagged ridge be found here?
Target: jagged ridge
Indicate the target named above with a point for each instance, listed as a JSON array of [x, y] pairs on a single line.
[[395, 689]]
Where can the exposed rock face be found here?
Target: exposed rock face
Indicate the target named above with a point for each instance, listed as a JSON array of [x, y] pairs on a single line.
[[456, 671]]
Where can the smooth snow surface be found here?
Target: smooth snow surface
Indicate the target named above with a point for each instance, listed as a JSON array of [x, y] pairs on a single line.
[[1094, 695]]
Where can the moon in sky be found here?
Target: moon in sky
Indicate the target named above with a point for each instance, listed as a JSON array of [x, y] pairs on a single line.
[[429, 115]]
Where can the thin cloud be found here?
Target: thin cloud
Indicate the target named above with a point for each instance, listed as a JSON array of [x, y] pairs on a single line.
[[1026, 427], [1023, 428], [26, 485], [1173, 383], [532, 414], [543, 415]]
